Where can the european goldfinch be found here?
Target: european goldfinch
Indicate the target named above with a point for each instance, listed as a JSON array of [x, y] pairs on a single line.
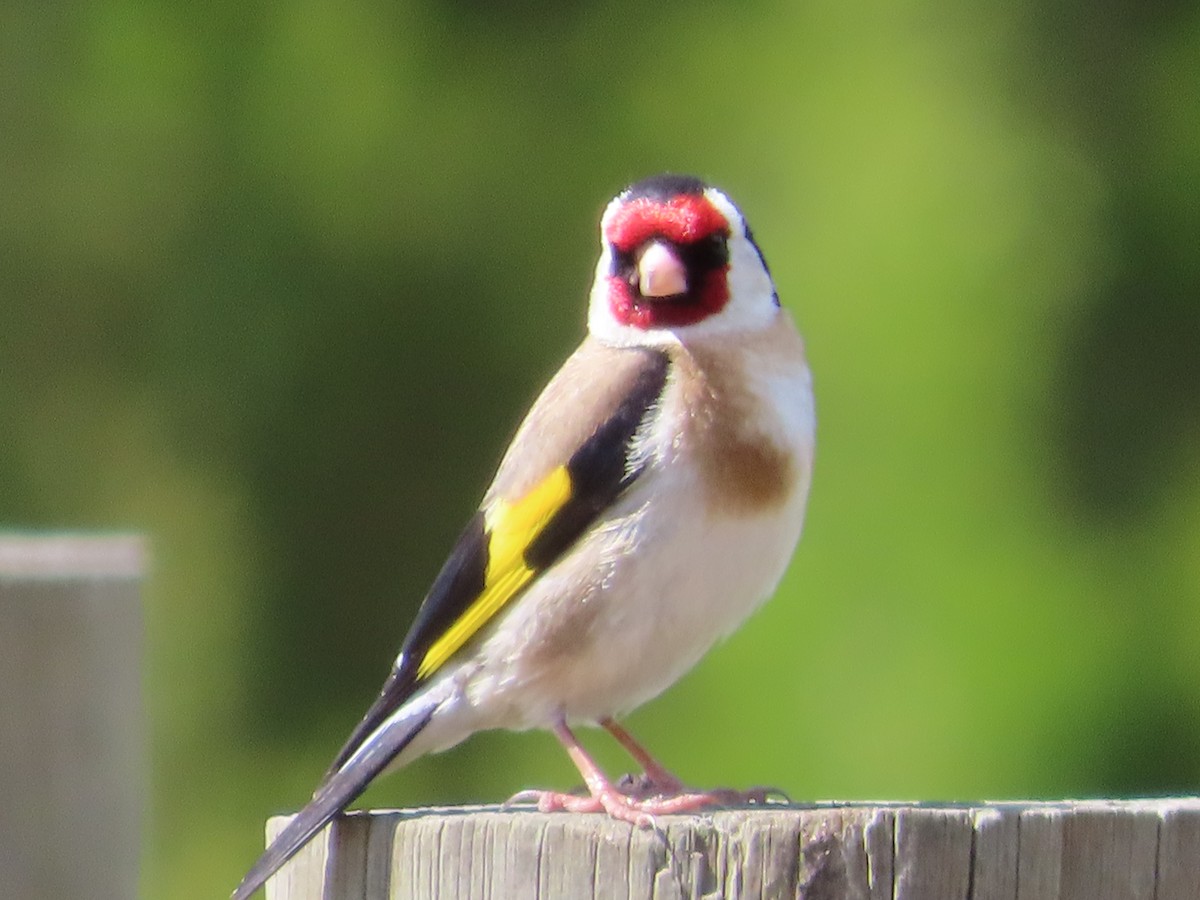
[[649, 502]]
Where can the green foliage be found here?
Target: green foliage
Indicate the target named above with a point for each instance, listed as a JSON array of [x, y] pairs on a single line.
[[276, 282]]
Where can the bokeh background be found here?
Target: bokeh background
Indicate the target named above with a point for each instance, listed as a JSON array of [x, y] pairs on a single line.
[[278, 279]]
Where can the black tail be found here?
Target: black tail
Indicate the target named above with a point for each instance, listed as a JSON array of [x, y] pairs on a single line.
[[336, 792]]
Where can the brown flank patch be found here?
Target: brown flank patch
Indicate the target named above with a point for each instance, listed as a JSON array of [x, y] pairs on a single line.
[[744, 470]]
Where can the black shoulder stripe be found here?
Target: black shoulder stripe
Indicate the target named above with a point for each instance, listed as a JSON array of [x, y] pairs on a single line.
[[599, 469]]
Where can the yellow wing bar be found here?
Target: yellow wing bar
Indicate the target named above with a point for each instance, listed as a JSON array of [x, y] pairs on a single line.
[[511, 528]]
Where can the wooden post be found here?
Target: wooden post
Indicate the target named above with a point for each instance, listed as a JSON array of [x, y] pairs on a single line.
[[1088, 850], [70, 716]]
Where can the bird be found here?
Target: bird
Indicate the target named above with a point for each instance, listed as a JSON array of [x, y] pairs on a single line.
[[648, 503]]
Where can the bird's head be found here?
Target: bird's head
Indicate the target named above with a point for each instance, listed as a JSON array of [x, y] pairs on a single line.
[[677, 257]]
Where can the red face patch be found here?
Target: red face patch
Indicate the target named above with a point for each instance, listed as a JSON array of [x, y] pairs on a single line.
[[630, 308], [681, 220], [684, 221]]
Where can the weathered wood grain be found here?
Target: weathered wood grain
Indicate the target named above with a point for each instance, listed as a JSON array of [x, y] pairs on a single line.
[[1086, 850]]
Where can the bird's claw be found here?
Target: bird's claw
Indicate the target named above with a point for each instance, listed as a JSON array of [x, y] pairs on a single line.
[[637, 800]]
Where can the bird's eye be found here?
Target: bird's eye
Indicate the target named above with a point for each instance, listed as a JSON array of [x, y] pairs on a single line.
[[708, 253], [719, 248]]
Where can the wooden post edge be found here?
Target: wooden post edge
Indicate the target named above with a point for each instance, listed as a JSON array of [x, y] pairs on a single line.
[[72, 762], [71, 556], [1063, 850]]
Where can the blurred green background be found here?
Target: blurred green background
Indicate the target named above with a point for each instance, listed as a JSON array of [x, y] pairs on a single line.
[[278, 279]]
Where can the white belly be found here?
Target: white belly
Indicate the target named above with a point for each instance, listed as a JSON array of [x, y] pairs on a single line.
[[664, 610]]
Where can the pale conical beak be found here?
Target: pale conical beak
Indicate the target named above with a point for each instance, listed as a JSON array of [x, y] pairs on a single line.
[[660, 272]]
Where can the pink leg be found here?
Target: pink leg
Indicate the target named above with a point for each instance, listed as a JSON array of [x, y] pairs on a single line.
[[670, 789], [603, 796], [657, 775]]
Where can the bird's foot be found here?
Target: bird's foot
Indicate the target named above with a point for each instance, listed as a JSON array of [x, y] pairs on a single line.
[[637, 801], [728, 797], [634, 787], [607, 800], [643, 786]]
